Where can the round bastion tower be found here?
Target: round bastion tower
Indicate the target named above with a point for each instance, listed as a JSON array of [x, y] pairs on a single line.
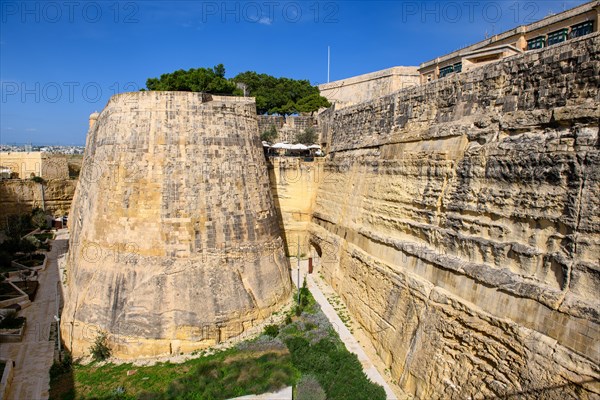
[[175, 243]]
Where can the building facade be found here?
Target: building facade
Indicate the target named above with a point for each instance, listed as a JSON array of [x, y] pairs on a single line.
[[574, 23], [25, 165], [577, 22]]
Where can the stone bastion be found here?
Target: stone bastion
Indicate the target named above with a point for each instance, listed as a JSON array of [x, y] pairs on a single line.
[[175, 243]]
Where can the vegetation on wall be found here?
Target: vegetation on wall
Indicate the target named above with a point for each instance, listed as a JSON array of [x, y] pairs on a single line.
[[273, 95], [270, 135], [308, 136]]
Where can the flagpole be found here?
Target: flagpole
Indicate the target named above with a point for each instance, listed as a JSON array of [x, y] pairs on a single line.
[[328, 62]]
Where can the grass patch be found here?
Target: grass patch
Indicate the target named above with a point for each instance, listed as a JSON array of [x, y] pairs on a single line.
[[341, 311], [337, 370], [32, 261], [43, 236], [304, 351], [224, 375]]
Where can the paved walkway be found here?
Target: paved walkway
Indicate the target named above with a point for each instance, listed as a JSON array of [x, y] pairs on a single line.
[[34, 355], [284, 394], [349, 341]]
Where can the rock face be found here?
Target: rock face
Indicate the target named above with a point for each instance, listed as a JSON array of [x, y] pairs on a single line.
[[463, 223], [294, 184], [175, 243], [20, 196]]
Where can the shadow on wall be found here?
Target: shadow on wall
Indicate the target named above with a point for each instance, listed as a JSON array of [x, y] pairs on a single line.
[[276, 203]]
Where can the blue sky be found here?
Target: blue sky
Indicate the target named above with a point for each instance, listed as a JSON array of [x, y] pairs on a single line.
[[62, 60]]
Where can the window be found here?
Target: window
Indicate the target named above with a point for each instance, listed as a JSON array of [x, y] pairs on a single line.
[[557, 37], [458, 67], [537, 43], [582, 29], [446, 71]]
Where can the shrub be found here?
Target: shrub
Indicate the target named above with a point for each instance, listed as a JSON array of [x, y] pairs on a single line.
[[38, 219], [309, 326], [100, 350], [62, 367], [309, 136], [272, 330], [338, 371], [269, 135], [309, 389]]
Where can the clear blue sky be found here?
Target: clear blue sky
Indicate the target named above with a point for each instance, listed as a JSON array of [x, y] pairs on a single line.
[[62, 60]]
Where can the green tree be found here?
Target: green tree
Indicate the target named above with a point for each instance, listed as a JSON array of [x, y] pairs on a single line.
[[38, 219], [281, 95], [209, 80], [273, 95], [28, 246], [270, 135], [308, 136]]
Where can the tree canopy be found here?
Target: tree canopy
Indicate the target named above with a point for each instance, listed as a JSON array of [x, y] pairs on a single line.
[[210, 80], [273, 95], [281, 95], [308, 136]]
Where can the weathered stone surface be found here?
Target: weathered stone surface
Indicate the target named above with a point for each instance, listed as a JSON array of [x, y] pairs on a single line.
[[462, 220], [20, 196], [175, 243]]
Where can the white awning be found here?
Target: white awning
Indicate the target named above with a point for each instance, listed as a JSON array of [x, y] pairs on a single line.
[[298, 146], [281, 146]]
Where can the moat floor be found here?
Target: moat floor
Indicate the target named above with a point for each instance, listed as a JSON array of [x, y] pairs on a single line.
[[33, 356], [345, 335]]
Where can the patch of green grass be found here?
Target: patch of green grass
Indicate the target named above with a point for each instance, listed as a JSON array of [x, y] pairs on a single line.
[[32, 261], [305, 345], [43, 236], [224, 375], [341, 311], [338, 371]]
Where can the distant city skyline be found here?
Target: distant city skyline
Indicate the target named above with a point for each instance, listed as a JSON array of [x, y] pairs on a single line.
[[61, 61]]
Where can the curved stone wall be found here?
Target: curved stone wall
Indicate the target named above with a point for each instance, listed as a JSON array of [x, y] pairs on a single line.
[[175, 243]]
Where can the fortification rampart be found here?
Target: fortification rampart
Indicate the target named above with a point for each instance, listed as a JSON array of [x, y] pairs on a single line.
[[175, 243], [464, 215]]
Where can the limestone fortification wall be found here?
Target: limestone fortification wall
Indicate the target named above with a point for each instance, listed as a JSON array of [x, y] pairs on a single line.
[[294, 184], [20, 196], [347, 92], [287, 126], [465, 218], [175, 243]]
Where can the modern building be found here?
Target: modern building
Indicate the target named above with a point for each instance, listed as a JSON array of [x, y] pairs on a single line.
[[573, 23], [576, 22]]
